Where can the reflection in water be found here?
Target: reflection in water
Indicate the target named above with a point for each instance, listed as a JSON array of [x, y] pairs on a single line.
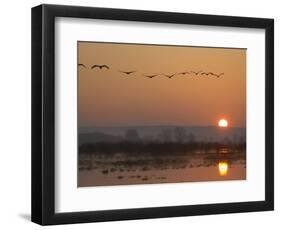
[[97, 169], [223, 168]]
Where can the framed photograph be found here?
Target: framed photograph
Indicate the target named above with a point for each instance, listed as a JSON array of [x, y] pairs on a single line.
[[142, 114]]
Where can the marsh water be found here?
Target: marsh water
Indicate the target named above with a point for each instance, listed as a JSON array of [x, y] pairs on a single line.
[[101, 169]]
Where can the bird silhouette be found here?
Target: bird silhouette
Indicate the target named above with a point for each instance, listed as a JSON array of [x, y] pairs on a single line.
[[207, 73], [150, 76], [100, 66], [169, 76], [218, 75], [184, 73], [127, 72], [196, 73], [82, 65], [211, 73]]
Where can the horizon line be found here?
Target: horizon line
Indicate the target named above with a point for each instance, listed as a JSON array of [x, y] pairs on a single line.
[[128, 126]]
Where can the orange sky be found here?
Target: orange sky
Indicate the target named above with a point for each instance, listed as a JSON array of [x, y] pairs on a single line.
[[110, 98]]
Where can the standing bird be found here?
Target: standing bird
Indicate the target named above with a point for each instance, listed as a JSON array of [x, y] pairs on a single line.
[[127, 72], [169, 76], [82, 65], [100, 66], [196, 73], [151, 76]]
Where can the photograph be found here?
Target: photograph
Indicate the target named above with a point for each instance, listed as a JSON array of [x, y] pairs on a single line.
[[153, 113], [140, 114]]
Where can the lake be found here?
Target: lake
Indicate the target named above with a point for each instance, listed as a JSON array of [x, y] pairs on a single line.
[[103, 169]]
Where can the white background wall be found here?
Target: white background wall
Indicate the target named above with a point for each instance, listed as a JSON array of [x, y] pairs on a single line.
[[15, 114]]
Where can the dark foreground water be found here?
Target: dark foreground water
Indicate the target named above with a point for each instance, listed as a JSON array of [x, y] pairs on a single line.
[[100, 169]]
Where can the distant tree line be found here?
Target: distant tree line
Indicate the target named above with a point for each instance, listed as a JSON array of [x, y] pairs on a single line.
[[177, 134], [175, 141], [159, 147]]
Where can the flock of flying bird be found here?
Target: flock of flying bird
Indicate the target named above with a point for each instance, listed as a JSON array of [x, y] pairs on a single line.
[[126, 73]]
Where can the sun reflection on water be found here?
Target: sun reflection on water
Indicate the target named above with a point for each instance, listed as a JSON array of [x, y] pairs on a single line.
[[223, 168]]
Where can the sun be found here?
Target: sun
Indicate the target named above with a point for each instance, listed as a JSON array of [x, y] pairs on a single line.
[[223, 123]]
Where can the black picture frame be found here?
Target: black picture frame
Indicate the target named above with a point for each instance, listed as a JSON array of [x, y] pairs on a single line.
[[43, 110]]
